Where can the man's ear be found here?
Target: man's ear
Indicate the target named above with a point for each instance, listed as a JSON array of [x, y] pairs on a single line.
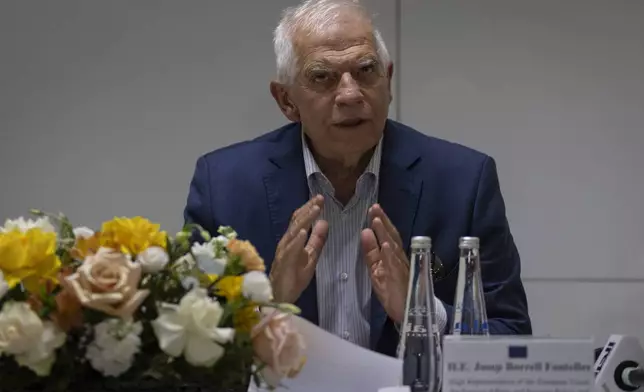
[[286, 105], [390, 75]]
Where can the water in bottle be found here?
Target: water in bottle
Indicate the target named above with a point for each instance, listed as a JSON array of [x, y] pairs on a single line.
[[470, 316], [420, 340]]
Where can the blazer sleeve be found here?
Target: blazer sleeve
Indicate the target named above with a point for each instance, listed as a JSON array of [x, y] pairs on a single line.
[[198, 208], [505, 297]]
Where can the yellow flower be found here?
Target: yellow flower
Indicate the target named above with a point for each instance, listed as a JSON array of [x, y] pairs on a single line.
[[246, 318], [29, 258], [229, 287], [84, 247], [205, 280], [132, 235]]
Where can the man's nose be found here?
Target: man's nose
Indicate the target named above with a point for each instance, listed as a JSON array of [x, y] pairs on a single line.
[[348, 92]]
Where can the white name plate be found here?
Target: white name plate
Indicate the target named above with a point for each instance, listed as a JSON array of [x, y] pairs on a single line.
[[517, 364]]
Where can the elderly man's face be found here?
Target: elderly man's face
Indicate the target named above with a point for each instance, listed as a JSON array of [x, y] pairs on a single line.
[[342, 91]]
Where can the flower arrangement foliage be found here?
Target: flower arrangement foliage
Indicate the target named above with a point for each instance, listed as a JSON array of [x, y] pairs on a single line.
[[129, 302]]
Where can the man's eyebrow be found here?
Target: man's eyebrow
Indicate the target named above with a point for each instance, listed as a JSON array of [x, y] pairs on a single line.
[[368, 60], [322, 65], [319, 65]]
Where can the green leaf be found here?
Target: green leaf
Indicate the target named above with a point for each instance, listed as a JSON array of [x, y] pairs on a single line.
[[231, 308], [227, 231], [284, 307], [257, 380], [234, 266], [66, 228]]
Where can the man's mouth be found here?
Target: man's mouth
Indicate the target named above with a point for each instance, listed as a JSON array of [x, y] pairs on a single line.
[[354, 122]]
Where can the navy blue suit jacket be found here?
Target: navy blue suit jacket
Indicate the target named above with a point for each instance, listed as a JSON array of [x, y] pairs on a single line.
[[428, 187]]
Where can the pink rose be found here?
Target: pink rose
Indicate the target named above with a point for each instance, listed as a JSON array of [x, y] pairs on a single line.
[[279, 346], [108, 281]]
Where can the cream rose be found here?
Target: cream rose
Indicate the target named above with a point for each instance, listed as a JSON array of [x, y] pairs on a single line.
[[31, 341], [108, 282], [279, 346]]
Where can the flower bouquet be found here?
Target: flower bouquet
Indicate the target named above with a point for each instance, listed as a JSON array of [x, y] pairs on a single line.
[[129, 307]]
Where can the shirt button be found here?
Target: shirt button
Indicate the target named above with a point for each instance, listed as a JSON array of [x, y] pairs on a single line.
[[344, 276], [345, 335]]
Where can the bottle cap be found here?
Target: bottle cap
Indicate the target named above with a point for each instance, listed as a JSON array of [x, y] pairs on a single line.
[[468, 243], [420, 242]]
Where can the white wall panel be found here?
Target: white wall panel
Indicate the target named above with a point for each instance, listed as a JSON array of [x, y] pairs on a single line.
[[586, 309], [554, 90], [106, 105]]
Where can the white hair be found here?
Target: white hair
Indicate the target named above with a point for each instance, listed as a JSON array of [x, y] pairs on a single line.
[[314, 16]]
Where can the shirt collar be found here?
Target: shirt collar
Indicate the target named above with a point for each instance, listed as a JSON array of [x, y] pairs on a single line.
[[312, 167]]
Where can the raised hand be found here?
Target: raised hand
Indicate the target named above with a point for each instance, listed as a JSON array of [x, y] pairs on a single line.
[[388, 265], [297, 253]]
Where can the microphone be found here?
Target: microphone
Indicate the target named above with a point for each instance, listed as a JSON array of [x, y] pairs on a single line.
[[620, 365], [633, 377]]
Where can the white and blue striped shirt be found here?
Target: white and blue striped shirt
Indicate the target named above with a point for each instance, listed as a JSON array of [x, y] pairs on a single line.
[[342, 277]]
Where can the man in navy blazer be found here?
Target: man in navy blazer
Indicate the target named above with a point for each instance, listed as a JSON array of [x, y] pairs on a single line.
[[332, 199]]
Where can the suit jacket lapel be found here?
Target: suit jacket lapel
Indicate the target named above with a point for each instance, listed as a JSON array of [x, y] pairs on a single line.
[[286, 191], [399, 194]]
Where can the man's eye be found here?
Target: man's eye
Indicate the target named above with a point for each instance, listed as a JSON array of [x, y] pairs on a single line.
[[369, 68], [320, 77]]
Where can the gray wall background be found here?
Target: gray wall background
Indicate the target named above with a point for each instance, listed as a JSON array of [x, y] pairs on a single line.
[[106, 105]]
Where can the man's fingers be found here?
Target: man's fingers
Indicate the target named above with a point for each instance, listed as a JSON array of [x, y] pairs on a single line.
[[293, 250], [385, 235], [370, 248], [377, 211], [316, 242], [381, 232], [317, 200], [389, 258], [378, 277], [303, 221]]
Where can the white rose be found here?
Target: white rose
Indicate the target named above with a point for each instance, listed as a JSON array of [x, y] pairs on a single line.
[[115, 344], [83, 232], [24, 335], [20, 328], [192, 329], [257, 287], [205, 255], [153, 259], [41, 358], [24, 225], [4, 286]]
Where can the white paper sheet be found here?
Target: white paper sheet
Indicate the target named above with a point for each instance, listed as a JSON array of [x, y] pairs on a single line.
[[335, 365]]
